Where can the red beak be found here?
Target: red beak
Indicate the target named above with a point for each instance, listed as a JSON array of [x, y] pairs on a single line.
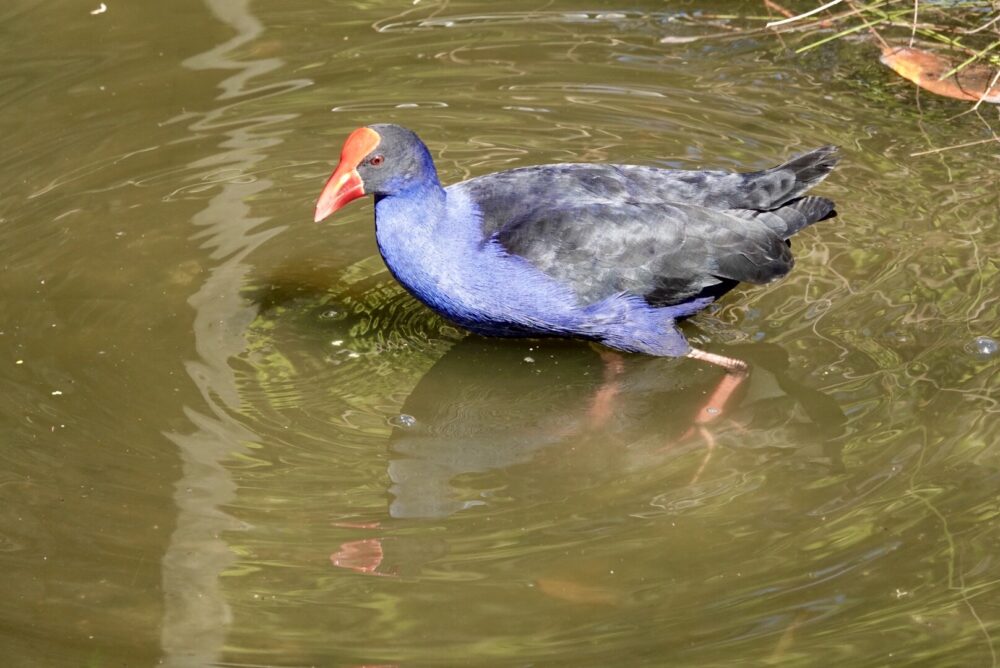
[[345, 184]]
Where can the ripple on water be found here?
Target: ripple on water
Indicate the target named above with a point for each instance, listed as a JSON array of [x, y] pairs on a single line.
[[459, 21]]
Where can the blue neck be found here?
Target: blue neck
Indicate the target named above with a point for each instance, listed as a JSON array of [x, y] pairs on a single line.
[[418, 203], [412, 226]]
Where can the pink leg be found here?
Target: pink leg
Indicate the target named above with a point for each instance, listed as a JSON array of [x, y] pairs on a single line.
[[712, 409], [602, 404], [736, 372]]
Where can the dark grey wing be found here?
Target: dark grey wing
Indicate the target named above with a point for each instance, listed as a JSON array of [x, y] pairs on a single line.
[[667, 253], [514, 195]]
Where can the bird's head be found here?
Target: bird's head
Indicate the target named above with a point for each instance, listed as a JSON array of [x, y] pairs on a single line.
[[378, 160]]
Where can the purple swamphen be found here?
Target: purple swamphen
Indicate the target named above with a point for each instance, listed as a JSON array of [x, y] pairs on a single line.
[[610, 253]]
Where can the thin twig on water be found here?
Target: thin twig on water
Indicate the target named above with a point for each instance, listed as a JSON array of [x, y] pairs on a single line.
[[949, 148], [871, 28], [787, 13], [989, 89], [802, 16], [984, 26]]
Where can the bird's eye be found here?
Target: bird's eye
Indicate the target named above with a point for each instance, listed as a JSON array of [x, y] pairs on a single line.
[[377, 160]]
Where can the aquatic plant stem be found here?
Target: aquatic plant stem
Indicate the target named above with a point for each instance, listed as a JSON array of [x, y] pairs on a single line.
[[987, 90], [840, 34], [970, 59]]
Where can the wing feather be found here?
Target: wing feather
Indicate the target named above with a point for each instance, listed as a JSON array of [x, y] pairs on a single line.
[[666, 235], [666, 253]]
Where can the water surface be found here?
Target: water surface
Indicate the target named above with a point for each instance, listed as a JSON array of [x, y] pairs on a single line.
[[231, 439]]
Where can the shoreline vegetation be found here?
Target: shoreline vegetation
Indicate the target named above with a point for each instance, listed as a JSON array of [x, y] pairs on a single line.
[[949, 48]]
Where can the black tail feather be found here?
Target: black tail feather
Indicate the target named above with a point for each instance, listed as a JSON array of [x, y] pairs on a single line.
[[795, 215], [812, 167], [774, 188], [805, 211]]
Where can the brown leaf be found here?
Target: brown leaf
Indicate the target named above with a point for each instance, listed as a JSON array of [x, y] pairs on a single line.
[[925, 69]]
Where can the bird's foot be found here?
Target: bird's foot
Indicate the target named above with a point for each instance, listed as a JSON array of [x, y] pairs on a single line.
[[730, 364], [714, 408]]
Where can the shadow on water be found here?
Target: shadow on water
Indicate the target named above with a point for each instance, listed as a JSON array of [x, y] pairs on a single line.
[[486, 405]]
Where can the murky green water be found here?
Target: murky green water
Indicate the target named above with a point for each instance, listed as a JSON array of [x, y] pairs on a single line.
[[230, 439]]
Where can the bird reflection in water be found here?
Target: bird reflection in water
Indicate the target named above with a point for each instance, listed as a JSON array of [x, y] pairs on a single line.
[[487, 407]]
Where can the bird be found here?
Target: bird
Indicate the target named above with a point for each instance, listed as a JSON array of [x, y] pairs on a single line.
[[612, 253]]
